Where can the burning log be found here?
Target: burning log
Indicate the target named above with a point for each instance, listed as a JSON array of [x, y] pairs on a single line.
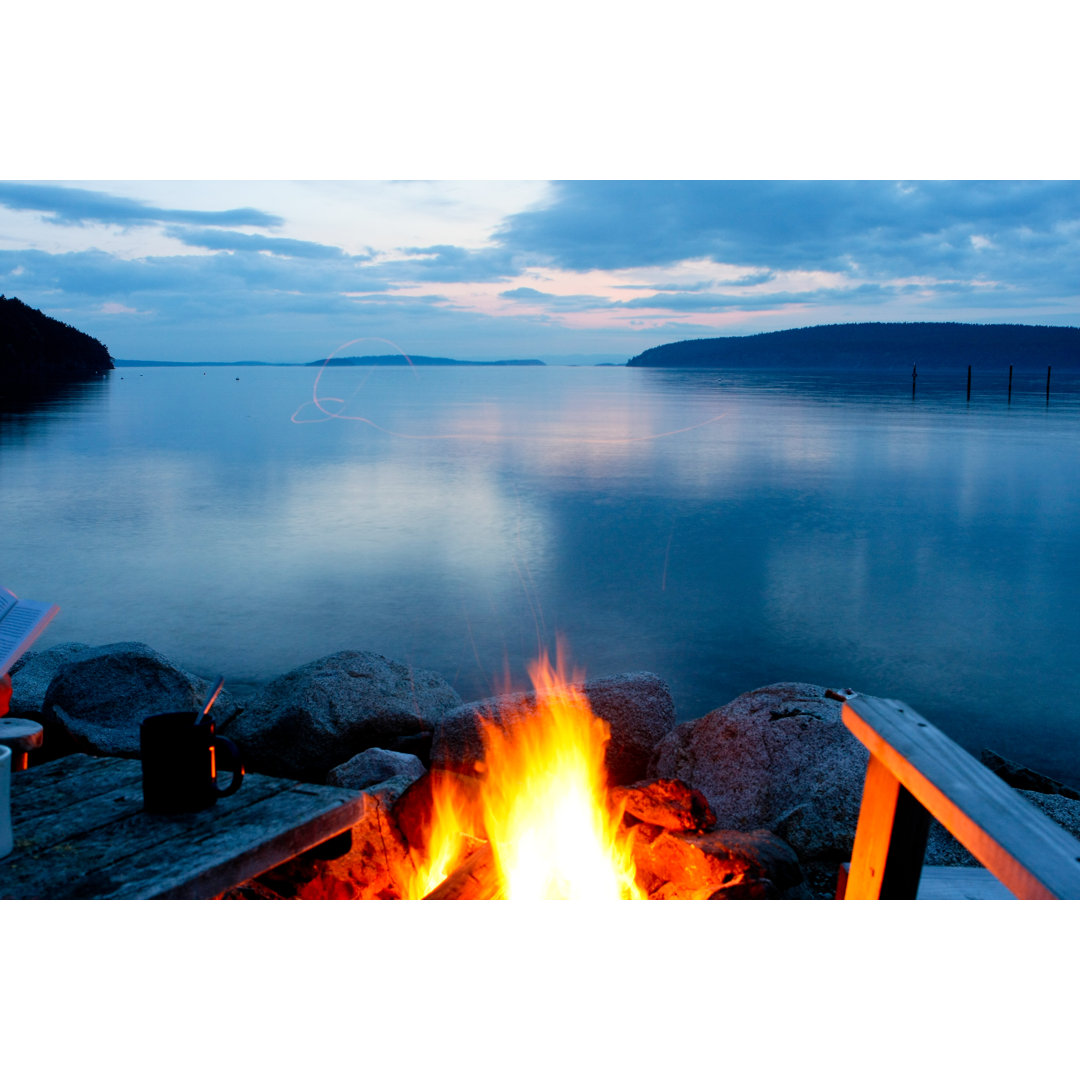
[[474, 879]]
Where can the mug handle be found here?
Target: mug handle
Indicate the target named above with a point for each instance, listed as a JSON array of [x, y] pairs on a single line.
[[221, 743]]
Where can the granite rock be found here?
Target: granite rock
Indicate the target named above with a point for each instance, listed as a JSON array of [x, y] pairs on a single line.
[[96, 701], [778, 758], [373, 767], [316, 717], [31, 675], [665, 802], [723, 864]]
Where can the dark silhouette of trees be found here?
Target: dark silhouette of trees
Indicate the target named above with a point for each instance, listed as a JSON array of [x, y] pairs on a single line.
[[37, 351], [877, 345]]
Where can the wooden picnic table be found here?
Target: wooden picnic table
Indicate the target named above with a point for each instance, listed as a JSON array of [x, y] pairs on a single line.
[[81, 833]]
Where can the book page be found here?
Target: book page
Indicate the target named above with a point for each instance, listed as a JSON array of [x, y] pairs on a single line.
[[21, 623]]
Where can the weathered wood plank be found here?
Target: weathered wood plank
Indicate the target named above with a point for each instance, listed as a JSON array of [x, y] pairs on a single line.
[[946, 883], [961, 883], [107, 846], [1023, 848], [220, 860], [85, 858], [65, 781], [71, 823]]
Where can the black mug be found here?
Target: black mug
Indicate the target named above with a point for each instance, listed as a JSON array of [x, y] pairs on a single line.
[[179, 763]]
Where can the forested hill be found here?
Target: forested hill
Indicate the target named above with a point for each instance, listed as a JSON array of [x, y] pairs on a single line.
[[36, 350], [876, 345]]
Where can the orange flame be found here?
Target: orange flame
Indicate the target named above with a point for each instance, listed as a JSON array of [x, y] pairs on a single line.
[[455, 827], [542, 803]]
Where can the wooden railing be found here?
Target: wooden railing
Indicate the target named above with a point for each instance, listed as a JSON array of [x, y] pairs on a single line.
[[917, 773]]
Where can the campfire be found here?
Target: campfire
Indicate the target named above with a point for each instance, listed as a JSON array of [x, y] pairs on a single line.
[[568, 791], [538, 821]]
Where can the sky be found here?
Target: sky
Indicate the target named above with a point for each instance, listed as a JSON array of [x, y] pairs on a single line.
[[567, 271]]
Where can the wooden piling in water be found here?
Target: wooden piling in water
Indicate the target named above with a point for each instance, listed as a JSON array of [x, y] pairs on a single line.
[[969, 382], [914, 376], [1048, 383], [1010, 382]]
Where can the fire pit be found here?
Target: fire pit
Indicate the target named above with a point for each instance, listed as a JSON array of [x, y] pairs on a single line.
[[522, 805]]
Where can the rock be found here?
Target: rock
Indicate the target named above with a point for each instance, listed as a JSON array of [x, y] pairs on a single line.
[[316, 717], [637, 707], [1019, 776], [665, 802], [778, 758], [96, 701], [30, 677], [373, 766], [714, 865], [943, 849], [370, 871]]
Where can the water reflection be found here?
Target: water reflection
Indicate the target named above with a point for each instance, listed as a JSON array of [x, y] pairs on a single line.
[[824, 528], [26, 411]]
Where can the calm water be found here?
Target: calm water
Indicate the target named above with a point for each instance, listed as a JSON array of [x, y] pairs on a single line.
[[723, 529]]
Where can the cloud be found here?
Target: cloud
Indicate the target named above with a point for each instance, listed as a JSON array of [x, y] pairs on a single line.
[[881, 227], [447, 262], [79, 206], [95, 273], [229, 240]]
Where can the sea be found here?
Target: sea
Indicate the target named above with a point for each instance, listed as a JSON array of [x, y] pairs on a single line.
[[725, 529]]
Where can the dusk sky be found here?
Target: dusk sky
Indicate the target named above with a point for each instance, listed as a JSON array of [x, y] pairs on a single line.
[[565, 271]]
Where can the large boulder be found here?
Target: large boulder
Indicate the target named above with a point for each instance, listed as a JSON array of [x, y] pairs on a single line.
[[777, 758], [637, 707], [96, 701], [316, 717], [30, 677]]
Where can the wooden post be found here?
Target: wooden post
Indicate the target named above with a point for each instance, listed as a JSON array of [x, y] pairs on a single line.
[[914, 376], [1010, 382], [1048, 383], [969, 382], [890, 840]]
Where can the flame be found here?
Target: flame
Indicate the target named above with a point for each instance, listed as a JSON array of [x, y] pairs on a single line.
[[541, 802], [455, 824]]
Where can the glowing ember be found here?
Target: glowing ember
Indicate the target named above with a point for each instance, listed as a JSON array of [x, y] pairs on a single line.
[[542, 804]]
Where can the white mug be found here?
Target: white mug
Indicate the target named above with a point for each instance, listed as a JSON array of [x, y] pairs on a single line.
[[7, 841]]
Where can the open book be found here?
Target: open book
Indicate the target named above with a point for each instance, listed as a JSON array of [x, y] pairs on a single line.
[[21, 624]]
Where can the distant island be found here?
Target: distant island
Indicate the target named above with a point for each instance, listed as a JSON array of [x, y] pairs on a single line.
[[397, 360], [876, 345], [38, 351]]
